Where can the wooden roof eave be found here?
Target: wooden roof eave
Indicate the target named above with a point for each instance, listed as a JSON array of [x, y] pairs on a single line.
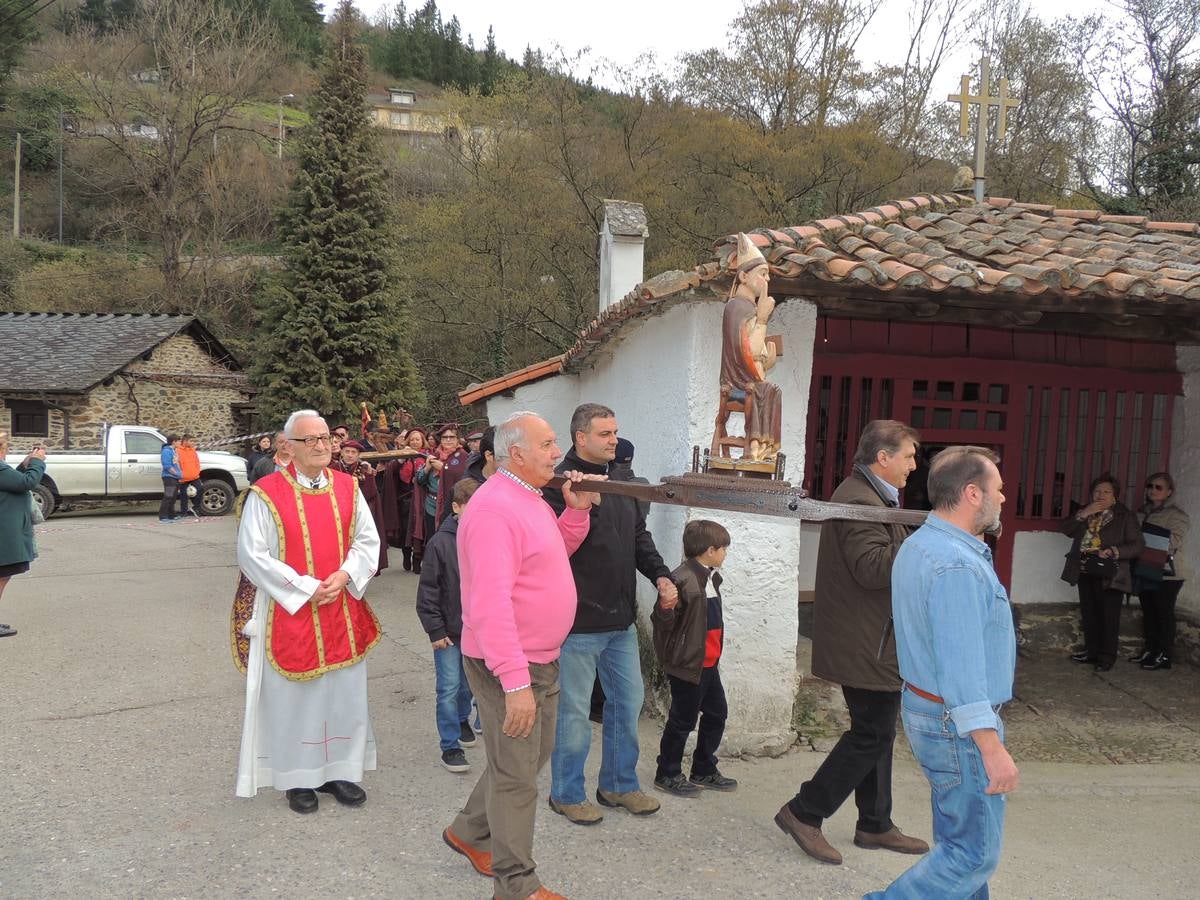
[[829, 294]]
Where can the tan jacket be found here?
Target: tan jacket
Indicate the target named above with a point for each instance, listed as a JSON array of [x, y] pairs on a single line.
[[853, 603]]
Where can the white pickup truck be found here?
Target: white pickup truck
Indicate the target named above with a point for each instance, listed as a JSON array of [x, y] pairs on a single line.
[[129, 467]]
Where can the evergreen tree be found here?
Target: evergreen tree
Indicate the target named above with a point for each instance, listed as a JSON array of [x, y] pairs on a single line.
[[396, 60], [332, 328], [490, 71], [468, 76]]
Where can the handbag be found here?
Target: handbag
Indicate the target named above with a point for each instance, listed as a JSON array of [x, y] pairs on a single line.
[[35, 510], [1097, 566], [1156, 560]]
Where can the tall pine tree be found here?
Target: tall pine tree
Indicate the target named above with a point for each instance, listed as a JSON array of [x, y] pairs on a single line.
[[332, 328]]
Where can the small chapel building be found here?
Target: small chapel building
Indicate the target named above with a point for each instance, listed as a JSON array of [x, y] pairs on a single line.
[[1066, 340]]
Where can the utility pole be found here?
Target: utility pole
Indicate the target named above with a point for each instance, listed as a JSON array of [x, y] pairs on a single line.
[[60, 174], [17, 190]]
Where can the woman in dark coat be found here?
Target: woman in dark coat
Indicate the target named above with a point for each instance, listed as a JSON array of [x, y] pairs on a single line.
[[262, 447], [16, 515], [1103, 530]]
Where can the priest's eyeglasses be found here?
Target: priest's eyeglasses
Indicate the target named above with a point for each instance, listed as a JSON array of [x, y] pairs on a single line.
[[312, 440]]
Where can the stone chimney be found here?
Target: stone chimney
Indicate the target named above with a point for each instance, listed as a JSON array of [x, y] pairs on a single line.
[[623, 236]]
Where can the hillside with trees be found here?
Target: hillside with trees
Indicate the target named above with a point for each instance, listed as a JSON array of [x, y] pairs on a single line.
[[179, 196]]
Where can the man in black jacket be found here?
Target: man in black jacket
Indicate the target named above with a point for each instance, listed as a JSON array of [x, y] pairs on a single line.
[[603, 639]]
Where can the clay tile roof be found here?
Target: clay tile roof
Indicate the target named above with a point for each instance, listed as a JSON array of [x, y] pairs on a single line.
[[546, 367], [930, 244], [70, 353], [935, 241]]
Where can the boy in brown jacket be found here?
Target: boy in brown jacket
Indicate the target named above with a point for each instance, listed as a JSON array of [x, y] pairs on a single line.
[[688, 639]]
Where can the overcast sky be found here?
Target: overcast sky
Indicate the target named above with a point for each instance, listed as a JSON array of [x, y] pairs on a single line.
[[621, 30]]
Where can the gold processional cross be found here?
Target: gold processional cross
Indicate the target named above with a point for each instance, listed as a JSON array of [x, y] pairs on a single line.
[[985, 101]]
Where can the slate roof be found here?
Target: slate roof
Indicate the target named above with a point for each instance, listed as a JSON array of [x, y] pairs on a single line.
[[1022, 259], [69, 353]]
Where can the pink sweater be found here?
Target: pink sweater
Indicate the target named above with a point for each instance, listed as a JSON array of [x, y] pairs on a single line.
[[518, 594]]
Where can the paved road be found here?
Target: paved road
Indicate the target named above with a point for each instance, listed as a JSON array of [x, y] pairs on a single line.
[[120, 726]]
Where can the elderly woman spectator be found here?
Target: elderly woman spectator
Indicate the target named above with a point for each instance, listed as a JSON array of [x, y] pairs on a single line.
[[16, 514], [1157, 574], [1105, 537]]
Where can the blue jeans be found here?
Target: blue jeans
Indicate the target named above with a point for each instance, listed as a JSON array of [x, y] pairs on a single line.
[[453, 695], [614, 656], [968, 824]]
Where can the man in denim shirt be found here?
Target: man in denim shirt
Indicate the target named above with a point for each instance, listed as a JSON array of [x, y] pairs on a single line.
[[957, 651]]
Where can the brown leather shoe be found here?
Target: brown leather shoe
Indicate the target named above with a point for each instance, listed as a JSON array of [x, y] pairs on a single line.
[[809, 838], [895, 839], [481, 860], [542, 893]]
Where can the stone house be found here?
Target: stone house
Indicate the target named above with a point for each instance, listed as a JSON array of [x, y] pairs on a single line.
[[1067, 340], [65, 375]]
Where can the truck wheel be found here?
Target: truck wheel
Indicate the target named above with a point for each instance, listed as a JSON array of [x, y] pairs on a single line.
[[44, 497], [215, 498]]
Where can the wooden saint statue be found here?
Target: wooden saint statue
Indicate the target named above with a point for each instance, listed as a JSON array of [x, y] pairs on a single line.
[[747, 353]]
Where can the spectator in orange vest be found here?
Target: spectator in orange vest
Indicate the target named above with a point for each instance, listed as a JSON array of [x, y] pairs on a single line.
[[189, 466]]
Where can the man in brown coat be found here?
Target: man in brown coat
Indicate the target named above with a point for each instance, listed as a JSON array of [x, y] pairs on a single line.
[[853, 646]]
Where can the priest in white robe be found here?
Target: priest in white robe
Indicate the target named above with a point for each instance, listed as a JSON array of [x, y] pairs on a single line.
[[309, 545]]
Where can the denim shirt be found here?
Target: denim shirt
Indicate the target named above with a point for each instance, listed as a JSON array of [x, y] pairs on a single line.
[[954, 628]]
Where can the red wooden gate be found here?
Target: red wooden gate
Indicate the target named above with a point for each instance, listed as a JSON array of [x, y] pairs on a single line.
[[1055, 420]]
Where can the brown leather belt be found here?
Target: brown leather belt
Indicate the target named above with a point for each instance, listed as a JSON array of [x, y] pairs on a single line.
[[928, 696]]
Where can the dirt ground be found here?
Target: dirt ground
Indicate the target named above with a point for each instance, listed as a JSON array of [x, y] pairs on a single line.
[[122, 714]]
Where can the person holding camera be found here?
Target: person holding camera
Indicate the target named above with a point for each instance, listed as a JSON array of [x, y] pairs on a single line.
[[1105, 536], [16, 514]]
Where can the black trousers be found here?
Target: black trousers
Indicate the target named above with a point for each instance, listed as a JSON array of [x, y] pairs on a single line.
[[691, 702], [1100, 612], [1158, 617], [860, 762], [183, 497], [166, 507]]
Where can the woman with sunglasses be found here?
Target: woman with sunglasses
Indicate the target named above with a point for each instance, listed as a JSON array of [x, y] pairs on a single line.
[[1157, 574]]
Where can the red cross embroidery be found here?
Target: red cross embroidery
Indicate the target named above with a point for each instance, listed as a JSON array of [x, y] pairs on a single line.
[[326, 741]]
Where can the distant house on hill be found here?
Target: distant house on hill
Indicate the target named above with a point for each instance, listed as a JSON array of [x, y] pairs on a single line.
[[65, 375], [422, 116]]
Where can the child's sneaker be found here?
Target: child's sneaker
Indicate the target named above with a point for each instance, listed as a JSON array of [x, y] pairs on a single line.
[[455, 760], [714, 782], [466, 737], [677, 785]]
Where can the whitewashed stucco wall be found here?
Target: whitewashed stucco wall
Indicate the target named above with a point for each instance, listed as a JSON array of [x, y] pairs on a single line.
[[1185, 465], [554, 399], [1037, 567], [662, 381]]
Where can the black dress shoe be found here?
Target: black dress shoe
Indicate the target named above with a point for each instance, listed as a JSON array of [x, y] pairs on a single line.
[[1104, 667], [1142, 657], [1082, 657], [1161, 661], [302, 800], [345, 792]]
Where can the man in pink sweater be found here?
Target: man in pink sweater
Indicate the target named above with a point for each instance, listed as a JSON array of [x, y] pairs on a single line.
[[518, 603]]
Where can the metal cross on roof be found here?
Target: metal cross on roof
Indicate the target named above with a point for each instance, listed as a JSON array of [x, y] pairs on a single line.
[[985, 101]]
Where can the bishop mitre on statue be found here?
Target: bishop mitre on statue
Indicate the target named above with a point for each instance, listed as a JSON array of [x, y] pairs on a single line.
[[747, 354]]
